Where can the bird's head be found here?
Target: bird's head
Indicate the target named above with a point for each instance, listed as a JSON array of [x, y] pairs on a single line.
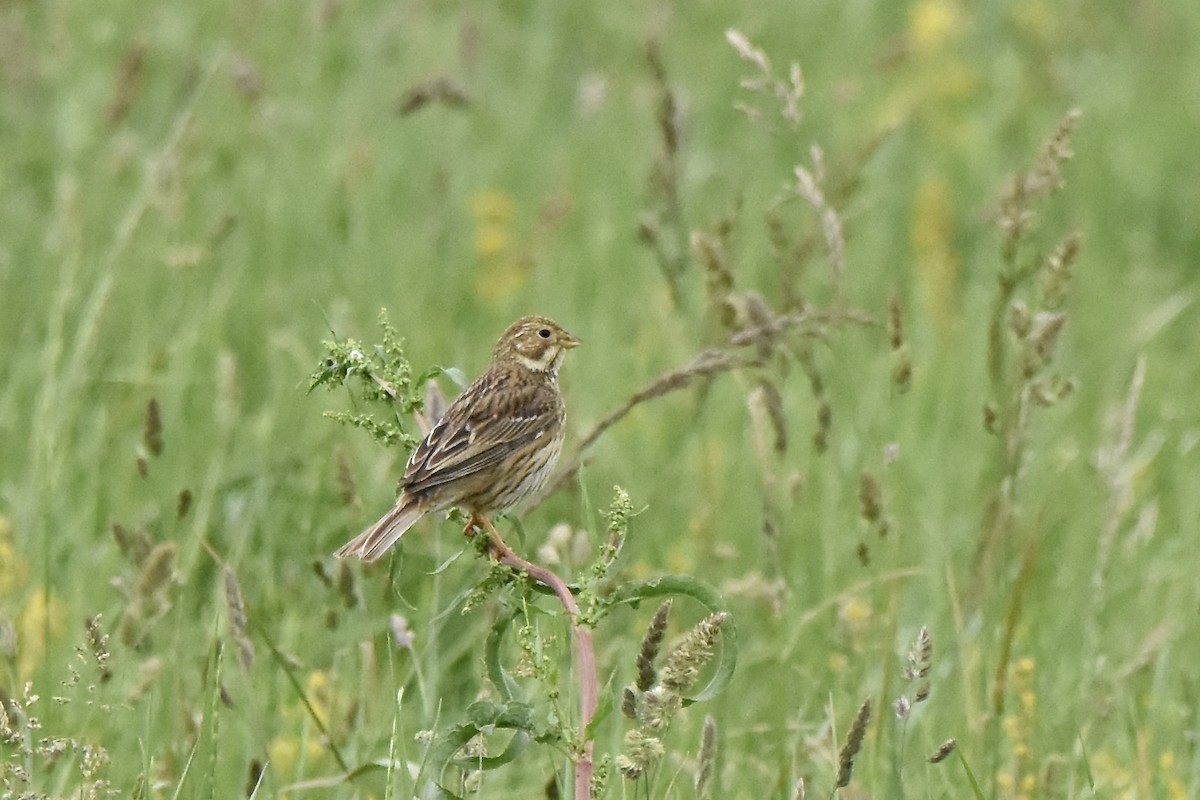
[[537, 343]]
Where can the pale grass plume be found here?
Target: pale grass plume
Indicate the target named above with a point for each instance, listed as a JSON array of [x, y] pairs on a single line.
[[641, 751], [786, 91], [655, 708], [683, 664], [918, 664], [738, 41], [97, 641]]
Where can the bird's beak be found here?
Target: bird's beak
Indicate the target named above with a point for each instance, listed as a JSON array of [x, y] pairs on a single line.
[[570, 342]]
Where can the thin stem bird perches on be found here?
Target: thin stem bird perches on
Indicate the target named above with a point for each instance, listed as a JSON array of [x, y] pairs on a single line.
[[581, 634]]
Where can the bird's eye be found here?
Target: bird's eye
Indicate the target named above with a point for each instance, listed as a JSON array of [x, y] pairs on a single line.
[[544, 333]]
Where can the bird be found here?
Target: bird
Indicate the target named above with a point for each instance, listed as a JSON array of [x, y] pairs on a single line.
[[494, 446]]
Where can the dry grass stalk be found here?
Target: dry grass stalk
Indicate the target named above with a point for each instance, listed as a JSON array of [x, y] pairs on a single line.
[[854, 740], [705, 364], [662, 227], [812, 322]]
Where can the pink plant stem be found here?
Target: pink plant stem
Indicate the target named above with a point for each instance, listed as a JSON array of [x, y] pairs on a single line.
[[585, 656]]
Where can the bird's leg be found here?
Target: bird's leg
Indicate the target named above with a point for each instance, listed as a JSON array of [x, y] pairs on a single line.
[[496, 546], [479, 523]]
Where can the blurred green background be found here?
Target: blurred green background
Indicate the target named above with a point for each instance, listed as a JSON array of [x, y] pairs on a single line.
[[195, 195]]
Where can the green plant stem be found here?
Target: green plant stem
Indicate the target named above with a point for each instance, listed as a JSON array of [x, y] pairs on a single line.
[[585, 656]]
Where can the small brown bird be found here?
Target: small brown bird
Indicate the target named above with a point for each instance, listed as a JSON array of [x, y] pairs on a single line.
[[495, 445]]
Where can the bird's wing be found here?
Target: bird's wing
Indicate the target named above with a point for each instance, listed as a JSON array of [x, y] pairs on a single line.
[[493, 417]]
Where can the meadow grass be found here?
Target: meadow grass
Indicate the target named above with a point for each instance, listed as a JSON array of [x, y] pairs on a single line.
[[196, 195]]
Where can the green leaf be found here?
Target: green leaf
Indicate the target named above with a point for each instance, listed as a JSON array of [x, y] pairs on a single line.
[[503, 682], [485, 718], [975, 789]]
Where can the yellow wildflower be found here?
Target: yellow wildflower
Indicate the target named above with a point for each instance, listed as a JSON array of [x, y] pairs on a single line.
[[933, 23]]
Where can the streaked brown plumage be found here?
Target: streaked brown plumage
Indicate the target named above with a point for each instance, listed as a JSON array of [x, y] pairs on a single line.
[[495, 445]]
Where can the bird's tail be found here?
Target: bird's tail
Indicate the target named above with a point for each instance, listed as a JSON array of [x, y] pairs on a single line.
[[375, 540]]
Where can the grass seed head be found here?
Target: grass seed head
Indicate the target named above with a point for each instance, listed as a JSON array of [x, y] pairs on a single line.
[[152, 430], [706, 759], [895, 326], [683, 665], [944, 750], [642, 751], [920, 655], [651, 643], [183, 504], [134, 545], [870, 497], [98, 645], [854, 740], [1056, 274], [629, 704]]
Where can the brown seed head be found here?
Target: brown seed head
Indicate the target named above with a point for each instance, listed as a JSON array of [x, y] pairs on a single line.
[[854, 740]]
